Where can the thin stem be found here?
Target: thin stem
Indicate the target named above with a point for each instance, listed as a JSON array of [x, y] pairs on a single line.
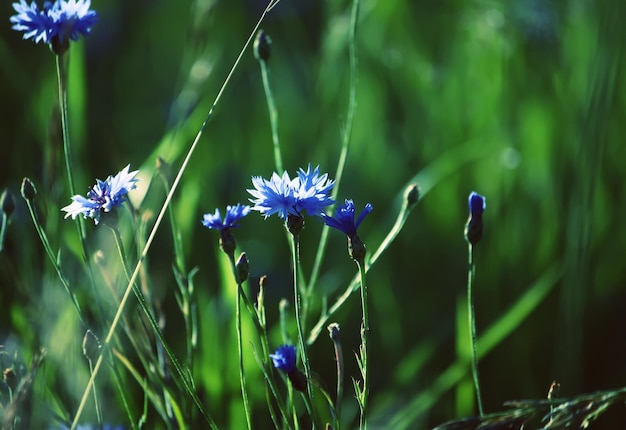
[[53, 260], [157, 223], [346, 138], [95, 398], [472, 325], [364, 365], [296, 293], [242, 374], [271, 107]]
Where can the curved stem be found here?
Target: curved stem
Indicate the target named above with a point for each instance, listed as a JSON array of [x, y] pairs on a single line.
[[152, 235], [472, 325]]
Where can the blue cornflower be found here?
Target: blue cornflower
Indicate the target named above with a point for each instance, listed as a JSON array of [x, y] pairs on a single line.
[[285, 358], [474, 227], [307, 192], [344, 218], [56, 23], [103, 196], [233, 214]]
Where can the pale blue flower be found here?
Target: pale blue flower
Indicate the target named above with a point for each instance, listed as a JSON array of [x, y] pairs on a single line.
[[306, 193], [104, 196]]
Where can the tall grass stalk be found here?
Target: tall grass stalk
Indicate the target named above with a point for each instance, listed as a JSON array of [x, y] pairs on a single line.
[[155, 228], [363, 359]]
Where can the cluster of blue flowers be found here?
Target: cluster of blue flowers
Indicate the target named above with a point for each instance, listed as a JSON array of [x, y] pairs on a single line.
[[58, 22], [104, 196]]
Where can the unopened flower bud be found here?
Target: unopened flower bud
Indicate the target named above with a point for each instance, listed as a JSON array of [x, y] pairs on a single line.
[[7, 203], [412, 194], [262, 46], [243, 267], [474, 226], [333, 331], [28, 189]]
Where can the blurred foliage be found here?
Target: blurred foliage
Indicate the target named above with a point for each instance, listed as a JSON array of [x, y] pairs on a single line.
[[523, 98]]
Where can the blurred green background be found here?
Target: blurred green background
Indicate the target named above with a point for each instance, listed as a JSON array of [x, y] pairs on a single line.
[[519, 100]]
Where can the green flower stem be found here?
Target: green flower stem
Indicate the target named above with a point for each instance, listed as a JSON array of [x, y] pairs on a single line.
[[345, 143], [363, 363], [472, 325], [152, 235], [184, 376], [53, 260], [271, 107], [301, 342], [242, 374], [403, 214]]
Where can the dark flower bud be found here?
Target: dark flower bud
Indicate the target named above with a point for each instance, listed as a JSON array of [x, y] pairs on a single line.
[[356, 248], [28, 189], [412, 194], [7, 203], [474, 227], [243, 267], [262, 46], [10, 378], [333, 331], [91, 346], [298, 379], [295, 224], [227, 241]]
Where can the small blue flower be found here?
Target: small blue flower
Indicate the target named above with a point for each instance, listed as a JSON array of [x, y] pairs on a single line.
[[58, 21], [474, 226], [477, 204], [285, 358], [344, 218], [103, 196], [233, 214], [307, 192]]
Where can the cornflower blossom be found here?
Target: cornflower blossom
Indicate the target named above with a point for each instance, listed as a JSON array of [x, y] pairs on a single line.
[[344, 222], [474, 227], [103, 197], [56, 23], [285, 359], [306, 193], [233, 215]]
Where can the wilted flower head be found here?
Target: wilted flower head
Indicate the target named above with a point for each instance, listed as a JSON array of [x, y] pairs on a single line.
[[308, 192], [285, 358], [233, 214], [56, 23], [103, 196], [474, 227], [344, 218]]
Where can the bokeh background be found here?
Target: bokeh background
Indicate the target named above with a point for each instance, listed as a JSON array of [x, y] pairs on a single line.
[[520, 100]]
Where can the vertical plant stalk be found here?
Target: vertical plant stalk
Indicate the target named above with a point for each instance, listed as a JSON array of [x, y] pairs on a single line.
[[345, 141], [154, 230], [53, 260], [242, 374], [271, 107], [472, 327], [301, 343], [62, 68], [363, 361], [334, 336]]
